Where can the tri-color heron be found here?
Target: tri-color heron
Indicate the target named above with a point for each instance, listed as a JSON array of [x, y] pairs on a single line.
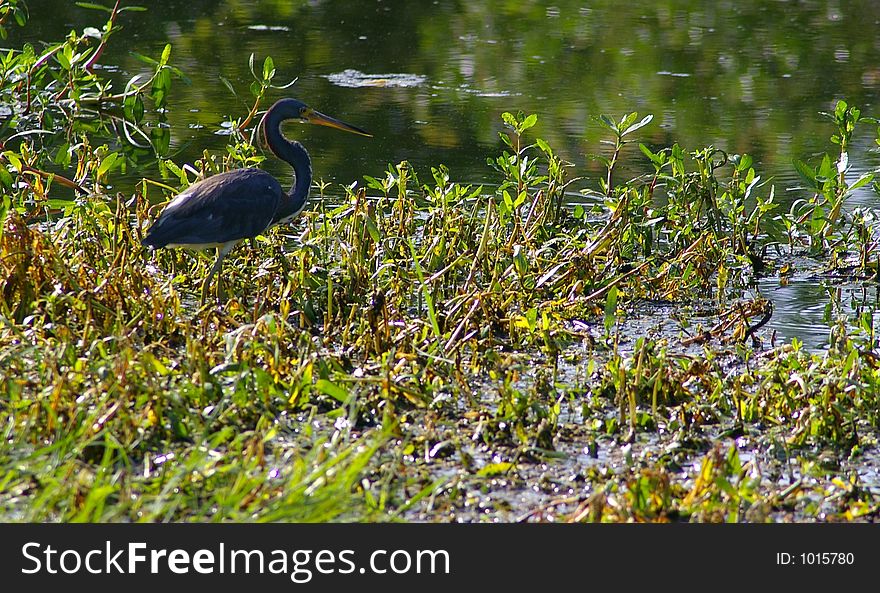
[[223, 209]]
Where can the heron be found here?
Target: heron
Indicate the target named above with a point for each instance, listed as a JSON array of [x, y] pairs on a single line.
[[224, 209]]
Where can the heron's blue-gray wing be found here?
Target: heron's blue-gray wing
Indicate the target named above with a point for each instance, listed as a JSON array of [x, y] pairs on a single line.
[[226, 207]]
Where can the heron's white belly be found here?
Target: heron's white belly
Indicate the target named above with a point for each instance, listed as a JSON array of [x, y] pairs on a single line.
[[227, 245]]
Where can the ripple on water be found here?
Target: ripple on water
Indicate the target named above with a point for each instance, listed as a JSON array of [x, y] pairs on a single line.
[[801, 306], [268, 28]]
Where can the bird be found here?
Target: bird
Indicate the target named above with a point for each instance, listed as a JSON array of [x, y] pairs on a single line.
[[240, 204]]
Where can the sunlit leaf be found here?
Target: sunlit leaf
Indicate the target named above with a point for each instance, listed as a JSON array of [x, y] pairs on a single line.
[[93, 6], [332, 389]]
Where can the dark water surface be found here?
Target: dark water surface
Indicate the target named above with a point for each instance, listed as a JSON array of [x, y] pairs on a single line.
[[430, 79]]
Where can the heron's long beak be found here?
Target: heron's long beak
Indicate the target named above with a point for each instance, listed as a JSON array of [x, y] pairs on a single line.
[[315, 117]]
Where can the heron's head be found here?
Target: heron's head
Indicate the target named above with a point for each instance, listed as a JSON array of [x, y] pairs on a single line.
[[294, 109]]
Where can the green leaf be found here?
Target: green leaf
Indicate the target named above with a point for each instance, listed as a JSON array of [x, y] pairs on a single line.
[[426, 292], [161, 86], [161, 139], [372, 228], [529, 122], [107, 163], [133, 107], [373, 183], [495, 469], [166, 54], [627, 120], [611, 308], [63, 59], [520, 262], [602, 159], [688, 271], [648, 153], [175, 169], [826, 169], [143, 58], [332, 389], [93, 6], [6, 180], [865, 179], [607, 122], [268, 68], [62, 157], [156, 363], [508, 201], [632, 128], [14, 159], [5, 204], [774, 229], [806, 172]]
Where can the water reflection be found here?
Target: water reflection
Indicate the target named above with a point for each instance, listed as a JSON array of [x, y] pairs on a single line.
[[747, 76], [808, 308], [357, 79]]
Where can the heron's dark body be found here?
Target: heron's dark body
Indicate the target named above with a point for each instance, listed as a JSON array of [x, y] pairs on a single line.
[[224, 208]]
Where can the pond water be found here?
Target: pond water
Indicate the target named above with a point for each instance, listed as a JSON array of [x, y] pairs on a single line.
[[430, 80]]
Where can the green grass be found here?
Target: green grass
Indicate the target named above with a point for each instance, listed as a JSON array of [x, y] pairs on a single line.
[[416, 350]]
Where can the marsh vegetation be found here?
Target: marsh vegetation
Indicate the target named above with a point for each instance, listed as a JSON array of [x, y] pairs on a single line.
[[537, 347]]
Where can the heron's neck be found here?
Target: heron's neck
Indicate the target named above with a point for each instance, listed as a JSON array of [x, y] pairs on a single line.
[[296, 155]]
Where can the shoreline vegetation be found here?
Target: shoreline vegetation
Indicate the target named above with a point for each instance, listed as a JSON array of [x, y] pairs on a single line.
[[415, 349]]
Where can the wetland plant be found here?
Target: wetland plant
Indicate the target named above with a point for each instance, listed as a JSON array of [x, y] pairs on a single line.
[[416, 348]]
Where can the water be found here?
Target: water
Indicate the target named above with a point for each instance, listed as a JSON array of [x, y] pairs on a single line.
[[808, 308], [430, 80]]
